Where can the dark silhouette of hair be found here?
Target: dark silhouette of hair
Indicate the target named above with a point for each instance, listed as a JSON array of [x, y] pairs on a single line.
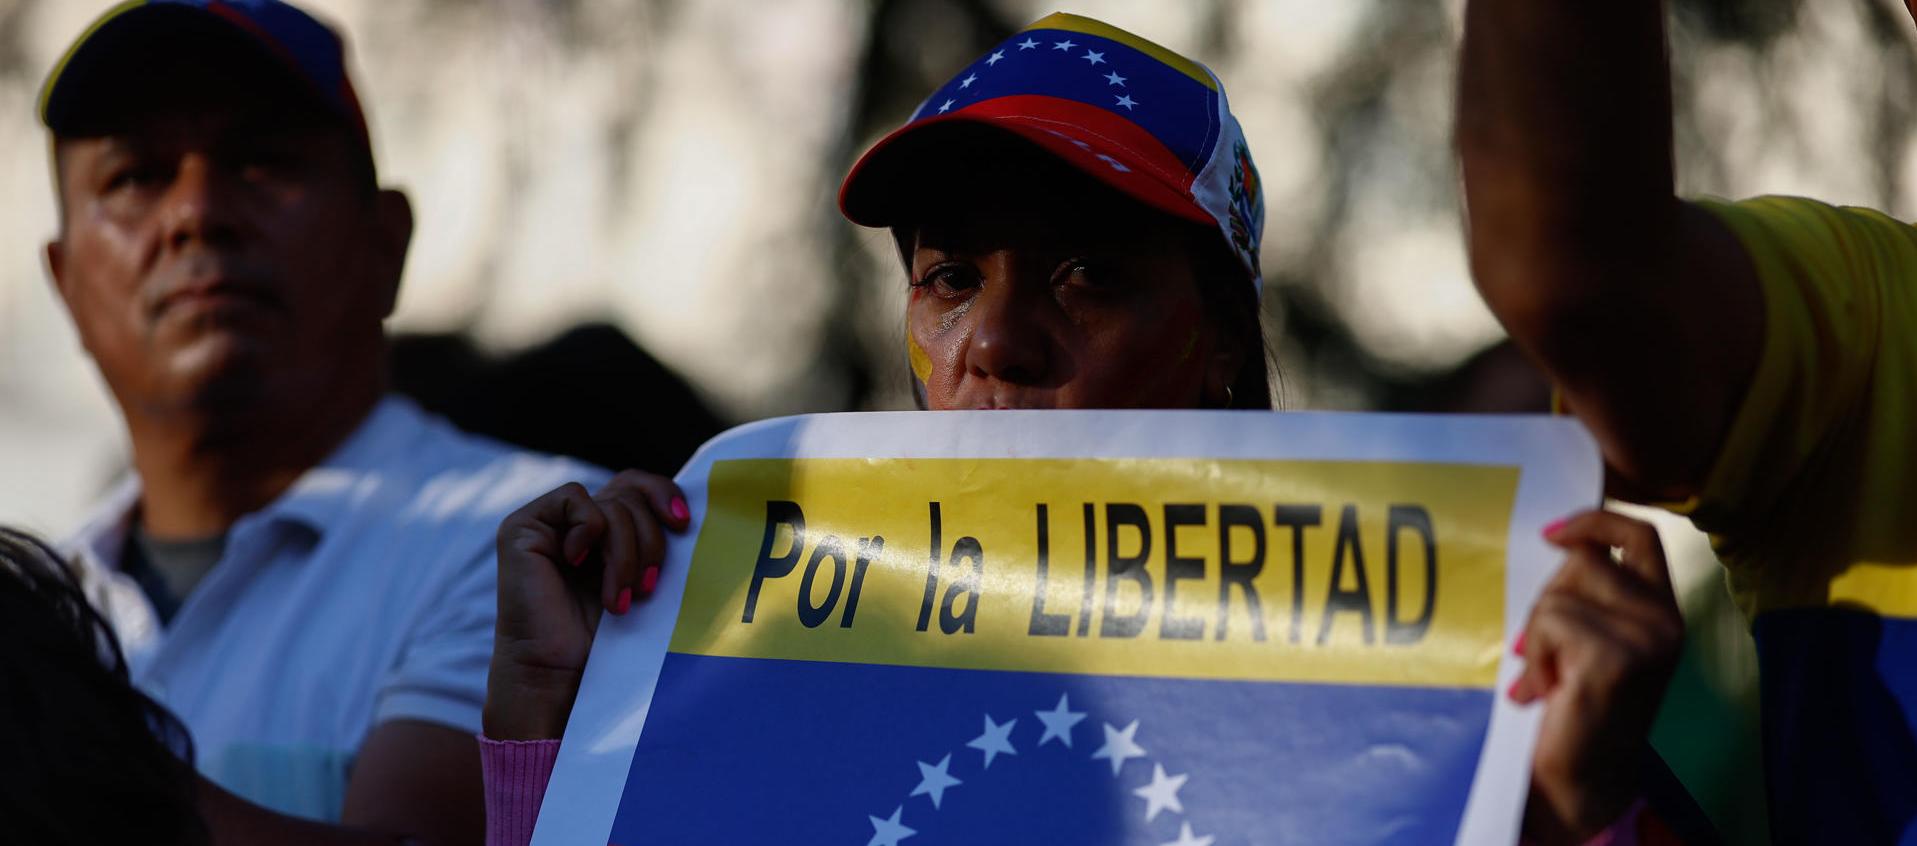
[[87, 758]]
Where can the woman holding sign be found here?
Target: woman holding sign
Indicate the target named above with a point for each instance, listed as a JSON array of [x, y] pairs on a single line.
[[1080, 227]]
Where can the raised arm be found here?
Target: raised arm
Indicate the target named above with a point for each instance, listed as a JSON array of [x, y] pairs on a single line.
[[1644, 311]]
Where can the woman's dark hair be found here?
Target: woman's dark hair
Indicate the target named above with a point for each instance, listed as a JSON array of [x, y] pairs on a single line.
[[87, 757], [1231, 304]]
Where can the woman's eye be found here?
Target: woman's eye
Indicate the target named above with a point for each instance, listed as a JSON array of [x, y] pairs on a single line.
[[1086, 273], [949, 279]]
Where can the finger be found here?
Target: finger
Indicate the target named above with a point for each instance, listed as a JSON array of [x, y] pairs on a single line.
[[1563, 627], [660, 493], [1643, 553], [1589, 572], [618, 555], [651, 539], [565, 514], [649, 546]]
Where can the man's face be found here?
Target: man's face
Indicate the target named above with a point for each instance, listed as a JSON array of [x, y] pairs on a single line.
[[220, 249]]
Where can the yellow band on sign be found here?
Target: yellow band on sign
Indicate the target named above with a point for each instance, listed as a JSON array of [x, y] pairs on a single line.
[[1306, 571]]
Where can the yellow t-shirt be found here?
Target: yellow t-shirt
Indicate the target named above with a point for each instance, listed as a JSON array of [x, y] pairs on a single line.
[[1812, 505], [1813, 497]]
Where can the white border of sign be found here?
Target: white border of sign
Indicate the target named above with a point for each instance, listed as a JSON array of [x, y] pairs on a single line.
[[1559, 472]]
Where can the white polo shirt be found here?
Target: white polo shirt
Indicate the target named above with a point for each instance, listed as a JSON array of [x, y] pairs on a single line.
[[364, 593]]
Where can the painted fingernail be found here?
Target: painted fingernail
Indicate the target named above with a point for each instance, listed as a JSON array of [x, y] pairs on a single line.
[[1552, 528], [649, 581], [1517, 646], [679, 510], [580, 557], [1511, 692], [624, 602]]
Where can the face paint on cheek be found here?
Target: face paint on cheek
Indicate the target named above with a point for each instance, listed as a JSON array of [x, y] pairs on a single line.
[[921, 363]]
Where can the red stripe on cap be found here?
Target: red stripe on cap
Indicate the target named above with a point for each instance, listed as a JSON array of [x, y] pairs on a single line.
[[1097, 126]]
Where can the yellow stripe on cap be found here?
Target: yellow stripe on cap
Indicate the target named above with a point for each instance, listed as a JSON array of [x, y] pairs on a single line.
[[46, 90], [1076, 23]]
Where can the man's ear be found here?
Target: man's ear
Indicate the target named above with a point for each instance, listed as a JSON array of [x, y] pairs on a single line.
[[56, 255], [392, 238]]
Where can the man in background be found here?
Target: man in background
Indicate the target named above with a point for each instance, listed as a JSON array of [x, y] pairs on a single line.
[[301, 567], [1753, 363]]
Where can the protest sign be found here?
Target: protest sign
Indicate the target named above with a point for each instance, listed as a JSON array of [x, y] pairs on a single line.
[[1080, 627]]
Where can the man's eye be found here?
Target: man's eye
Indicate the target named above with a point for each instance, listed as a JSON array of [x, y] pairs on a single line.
[[136, 175]]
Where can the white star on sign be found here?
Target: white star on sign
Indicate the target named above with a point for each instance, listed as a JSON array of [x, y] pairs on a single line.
[[995, 57], [888, 832], [1058, 722], [1119, 746], [1185, 837], [1064, 45], [1127, 102], [1162, 793], [997, 738], [1027, 44], [946, 107], [1095, 58], [967, 82], [1114, 79], [933, 780]]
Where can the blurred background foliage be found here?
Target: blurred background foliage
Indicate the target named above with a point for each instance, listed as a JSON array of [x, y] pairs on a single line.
[[662, 174]]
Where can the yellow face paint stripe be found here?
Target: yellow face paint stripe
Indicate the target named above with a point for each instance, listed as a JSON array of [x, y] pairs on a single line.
[[921, 363]]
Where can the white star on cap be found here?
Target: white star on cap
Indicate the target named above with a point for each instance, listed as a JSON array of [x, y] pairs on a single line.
[[1095, 58], [1114, 79], [1064, 45], [1058, 722], [1027, 44], [933, 780], [1116, 164], [967, 82], [1127, 102], [945, 107], [888, 832], [997, 738], [1119, 746], [995, 57], [1162, 793], [1185, 837]]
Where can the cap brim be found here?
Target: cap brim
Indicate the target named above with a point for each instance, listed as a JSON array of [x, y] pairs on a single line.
[[129, 37], [880, 189]]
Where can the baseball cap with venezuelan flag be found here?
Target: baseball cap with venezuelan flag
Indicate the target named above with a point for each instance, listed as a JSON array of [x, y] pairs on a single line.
[[240, 37], [1135, 116]]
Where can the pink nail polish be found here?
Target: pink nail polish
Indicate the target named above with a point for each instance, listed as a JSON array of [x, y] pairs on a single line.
[[1552, 528], [1511, 692], [679, 510], [649, 581], [1517, 646], [624, 601]]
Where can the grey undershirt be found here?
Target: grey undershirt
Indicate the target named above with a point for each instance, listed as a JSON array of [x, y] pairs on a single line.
[[167, 570]]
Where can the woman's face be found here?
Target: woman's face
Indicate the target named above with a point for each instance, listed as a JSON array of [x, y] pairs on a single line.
[[1040, 289]]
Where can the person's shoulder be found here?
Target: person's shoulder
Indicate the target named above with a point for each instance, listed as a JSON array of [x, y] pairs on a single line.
[[457, 471]]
